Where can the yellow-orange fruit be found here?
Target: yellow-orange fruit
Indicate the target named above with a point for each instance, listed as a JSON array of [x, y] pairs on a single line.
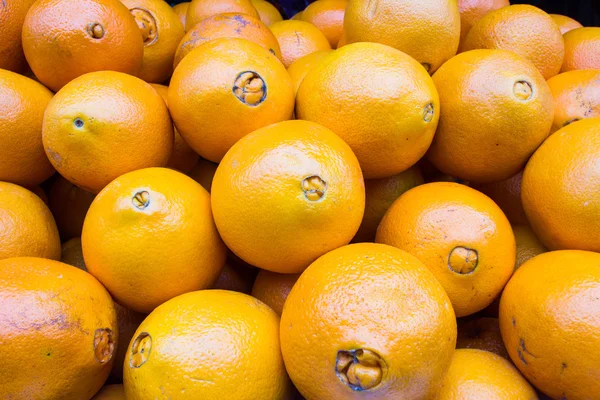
[[302, 66], [565, 23], [582, 49], [12, 16], [199, 10], [328, 16], [507, 194], [69, 205], [111, 392], [472, 11], [298, 39], [481, 333], [273, 289], [204, 173], [268, 13]]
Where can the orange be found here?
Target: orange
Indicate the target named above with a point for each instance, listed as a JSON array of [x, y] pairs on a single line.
[[367, 319], [576, 95], [472, 11], [461, 235], [104, 124], [27, 228], [111, 392], [22, 105], [235, 277], [550, 323], [224, 90], [273, 289], [183, 157], [565, 23], [427, 30], [228, 25], [12, 16], [481, 333], [69, 205], [497, 110], [297, 16], [523, 29], [203, 173], [302, 66], [287, 194], [342, 41], [268, 13], [64, 39], [528, 245], [39, 192], [230, 352], [162, 31], [298, 39], [380, 195], [582, 49], [58, 328], [507, 194], [72, 254], [328, 16], [199, 10], [181, 10], [388, 116], [560, 187], [478, 374], [149, 236]]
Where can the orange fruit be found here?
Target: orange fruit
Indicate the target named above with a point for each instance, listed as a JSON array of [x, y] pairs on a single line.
[[199, 10], [22, 157], [523, 29], [582, 49], [472, 11], [479, 374], [388, 116], [550, 322], [481, 333], [64, 39], [27, 228], [183, 157], [104, 124], [226, 89], [507, 194], [427, 30], [176, 354], [528, 245], [497, 110], [58, 328], [39, 192], [12, 16], [298, 39], [342, 41], [286, 194], [162, 31], [576, 96], [273, 289], [110, 392], [268, 13], [149, 236], [72, 254], [460, 234], [69, 205], [301, 67], [235, 277], [367, 319], [560, 185], [228, 25], [328, 16], [380, 195], [565, 23], [297, 16], [203, 173], [181, 10]]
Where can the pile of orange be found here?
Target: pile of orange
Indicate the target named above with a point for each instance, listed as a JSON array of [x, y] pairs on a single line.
[[386, 199]]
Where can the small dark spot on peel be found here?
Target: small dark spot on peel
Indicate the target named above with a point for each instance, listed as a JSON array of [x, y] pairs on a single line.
[[514, 321], [521, 356], [563, 367]]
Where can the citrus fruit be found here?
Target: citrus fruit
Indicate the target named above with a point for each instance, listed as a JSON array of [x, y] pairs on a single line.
[[228, 25], [388, 116], [300, 68], [27, 228], [39, 192], [298, 39], [472, 11], [72, 254], [342, 41], [268, 13], [236, 277], [226, 89], [507, 194], [210, 344], [22, 104], [149, 236], [582, 49], [297, 16], [203, 173], [12, 17], [162, 31], [565, 23], [64, 39], [523, 29], [273, 289], [58, 328], [479, 374], [497, 110], [481, 333], [550, 322], [328, 16], [69, 205], [181, 10], [367, 319], [199, 10], [104, 124], [560, 187], [576, 95], [528, 245], [460, 234], [380, 195], [183, 157], [286, 194], [110, 392], [427, 30]]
